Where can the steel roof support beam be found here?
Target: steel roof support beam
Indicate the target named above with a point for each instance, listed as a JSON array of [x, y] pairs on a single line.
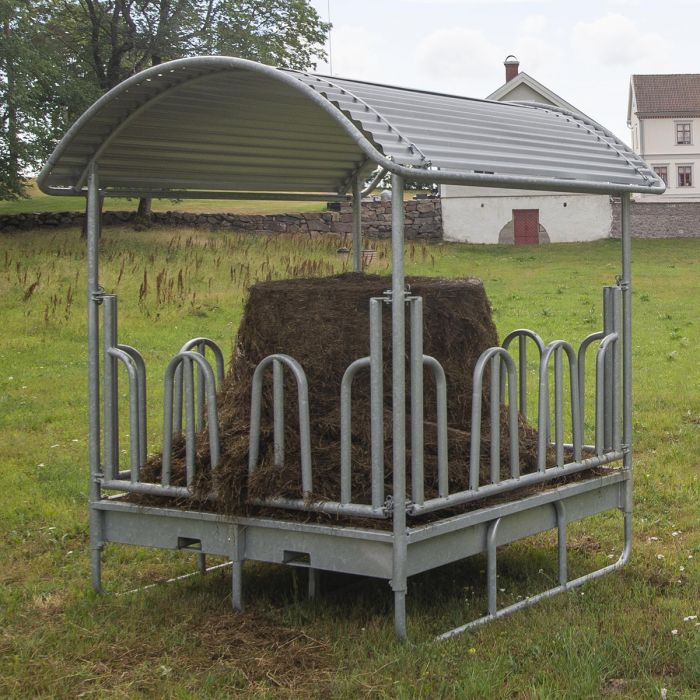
[[94, 299], [357, 223], [198, 194], [398, 367]]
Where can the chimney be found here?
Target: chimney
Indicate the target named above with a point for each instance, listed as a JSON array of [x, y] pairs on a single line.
[[512, 67]]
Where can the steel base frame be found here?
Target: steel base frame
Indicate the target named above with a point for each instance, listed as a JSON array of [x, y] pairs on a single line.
[[367, 552]]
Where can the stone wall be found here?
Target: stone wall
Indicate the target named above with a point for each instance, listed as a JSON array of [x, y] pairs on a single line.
[[423, 220], [660, 219]]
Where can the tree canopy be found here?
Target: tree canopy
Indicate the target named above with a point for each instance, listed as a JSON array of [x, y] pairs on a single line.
[[58, 56]]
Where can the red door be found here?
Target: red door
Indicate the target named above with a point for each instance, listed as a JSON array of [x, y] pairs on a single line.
[[526, 226]]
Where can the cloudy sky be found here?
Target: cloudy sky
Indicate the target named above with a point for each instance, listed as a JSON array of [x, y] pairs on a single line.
[[584, 52]]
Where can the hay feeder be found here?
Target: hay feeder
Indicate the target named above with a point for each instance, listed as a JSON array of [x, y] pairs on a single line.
[[219, 127]]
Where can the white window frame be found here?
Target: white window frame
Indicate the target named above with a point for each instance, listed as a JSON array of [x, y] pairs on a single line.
[[654, 166], [692, 176], [678, 123]]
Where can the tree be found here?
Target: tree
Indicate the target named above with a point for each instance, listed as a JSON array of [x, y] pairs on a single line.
[[57, 56]]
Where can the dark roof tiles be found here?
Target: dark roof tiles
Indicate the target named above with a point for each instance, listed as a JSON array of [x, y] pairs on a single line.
[[673, 95]]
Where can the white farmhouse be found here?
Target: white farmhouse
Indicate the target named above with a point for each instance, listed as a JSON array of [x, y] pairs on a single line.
[[663, 112], [486, 215]]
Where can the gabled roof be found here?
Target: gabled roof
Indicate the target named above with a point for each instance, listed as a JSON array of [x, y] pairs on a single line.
[[522, 78], [222, 124], [672, 95]]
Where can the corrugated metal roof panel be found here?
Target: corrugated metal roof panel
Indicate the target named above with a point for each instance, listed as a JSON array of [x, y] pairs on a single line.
[[227, 124]]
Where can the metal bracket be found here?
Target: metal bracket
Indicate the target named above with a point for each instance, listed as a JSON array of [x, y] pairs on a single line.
[[98, 295]]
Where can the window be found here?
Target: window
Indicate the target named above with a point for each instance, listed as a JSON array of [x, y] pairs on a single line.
[[685, 176], [662, 172], [682, 132]]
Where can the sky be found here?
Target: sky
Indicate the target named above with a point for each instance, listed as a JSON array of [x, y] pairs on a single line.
[[584, 52]]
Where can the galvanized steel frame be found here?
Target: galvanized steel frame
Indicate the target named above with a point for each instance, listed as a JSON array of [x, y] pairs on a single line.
[[401, 552]]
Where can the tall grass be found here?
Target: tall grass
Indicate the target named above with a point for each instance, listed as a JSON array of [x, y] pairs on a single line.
[[614, 637]]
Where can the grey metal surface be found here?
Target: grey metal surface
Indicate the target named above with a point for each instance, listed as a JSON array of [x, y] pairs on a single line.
[[399, 575], [376, 369], [355, 549], [225, 124]]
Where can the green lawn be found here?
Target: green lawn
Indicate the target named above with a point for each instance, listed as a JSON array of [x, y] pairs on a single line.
[[613, 637]]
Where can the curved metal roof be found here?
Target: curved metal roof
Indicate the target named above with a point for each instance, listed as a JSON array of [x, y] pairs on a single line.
[[221, 124]]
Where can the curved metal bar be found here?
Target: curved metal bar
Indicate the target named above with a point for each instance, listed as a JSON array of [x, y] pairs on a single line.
[[212, 415], [624, 558], [218, 355], [557, 346], [198, 345], [375, 181], [477, 386], [137, 357], [609, 341], [304, 421], [522, 334], [582, 349], [346, 428], [442, 442], [134, 452]]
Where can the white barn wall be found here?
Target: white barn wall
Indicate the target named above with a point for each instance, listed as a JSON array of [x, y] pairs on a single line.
[[477, 214]]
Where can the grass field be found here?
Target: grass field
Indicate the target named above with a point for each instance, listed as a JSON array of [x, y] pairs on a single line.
[[38, 202], [628, 635]]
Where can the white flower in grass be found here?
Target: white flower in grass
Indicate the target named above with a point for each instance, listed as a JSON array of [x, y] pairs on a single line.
[[660, 556], [690, 618], [674, 632]]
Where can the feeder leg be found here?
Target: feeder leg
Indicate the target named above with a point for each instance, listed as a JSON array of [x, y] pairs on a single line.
[[96, 547], [400, 615], [202, 562], [237, 584], [96, 566], [314, 583]]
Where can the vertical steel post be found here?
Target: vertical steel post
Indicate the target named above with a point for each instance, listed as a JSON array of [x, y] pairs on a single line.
[[417, 442], [608, 327], [398, 366], [495, 415], [376, 370], [559, 406], [357, 224], [92, 225], [522, 371], [201, 349], [110, 388], [616, 353], [278, 412], [626, 286]]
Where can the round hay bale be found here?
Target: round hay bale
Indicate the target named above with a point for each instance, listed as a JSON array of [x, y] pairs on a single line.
[[324, 324]]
